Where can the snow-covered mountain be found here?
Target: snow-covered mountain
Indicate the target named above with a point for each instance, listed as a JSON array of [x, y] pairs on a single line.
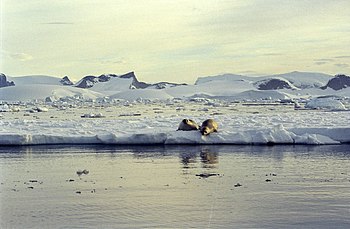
[[47, 92], [4, 82], [294, 80], [304, 80], [117, 83], [127, 87], [274, 84], [338, 82], [35, 79], [66, 81]]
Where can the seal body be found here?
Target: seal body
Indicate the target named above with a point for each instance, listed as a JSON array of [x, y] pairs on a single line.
[[209, 126], [188, 124]]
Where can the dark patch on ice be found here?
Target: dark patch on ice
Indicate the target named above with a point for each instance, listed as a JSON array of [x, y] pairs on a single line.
[[206, 175], [82, 172]]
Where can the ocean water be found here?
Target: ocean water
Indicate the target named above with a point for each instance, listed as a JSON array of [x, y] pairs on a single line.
[[175, 187]]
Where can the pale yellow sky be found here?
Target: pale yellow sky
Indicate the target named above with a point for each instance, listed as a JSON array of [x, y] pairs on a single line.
[[178, 41]]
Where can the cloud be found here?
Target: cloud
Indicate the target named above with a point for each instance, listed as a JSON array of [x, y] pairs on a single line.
[[342, 65], [20, 56], [58, 23], [272, 54], [342, 57], [321, 62], [112, 61]]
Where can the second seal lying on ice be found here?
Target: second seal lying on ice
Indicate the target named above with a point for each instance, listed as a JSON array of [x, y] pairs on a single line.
[[209, 126], [188, 124]]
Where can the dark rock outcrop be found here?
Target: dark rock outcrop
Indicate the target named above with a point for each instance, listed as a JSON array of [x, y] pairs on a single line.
[[87, 82], [163, 85], [273, 84], [338, 82], [90, 81], [135, 83], [4, 82], [66, 81], [141, 85]]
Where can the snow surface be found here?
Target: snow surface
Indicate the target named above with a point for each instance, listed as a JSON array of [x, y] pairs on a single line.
[[31, 92], [304, 79], [152, 94], [156, 123], [35, 79], [151, 116], [113, 85], [299, 79]]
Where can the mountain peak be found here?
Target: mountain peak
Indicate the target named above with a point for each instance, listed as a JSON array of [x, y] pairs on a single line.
[[128, 75], [90, 81], [66, 81], [4, 82], [338, 82]]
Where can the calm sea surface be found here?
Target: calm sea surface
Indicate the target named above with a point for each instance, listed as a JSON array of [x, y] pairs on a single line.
[[175, 187]]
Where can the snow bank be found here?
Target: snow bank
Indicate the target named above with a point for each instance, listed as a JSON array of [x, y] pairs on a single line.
[[69, 132], [262, 137]]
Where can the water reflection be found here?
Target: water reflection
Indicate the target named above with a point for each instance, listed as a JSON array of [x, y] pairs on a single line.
[[188, 159], [208, 154], [209, 158], [171, 186]]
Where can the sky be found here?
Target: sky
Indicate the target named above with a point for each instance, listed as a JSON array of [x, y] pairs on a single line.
[[177, 40]]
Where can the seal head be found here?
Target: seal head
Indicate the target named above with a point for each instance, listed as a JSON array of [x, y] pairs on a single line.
[[188, 124], [209, 126]]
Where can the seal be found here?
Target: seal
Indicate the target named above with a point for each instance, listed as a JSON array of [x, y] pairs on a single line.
[[188, 124], [209, 126]]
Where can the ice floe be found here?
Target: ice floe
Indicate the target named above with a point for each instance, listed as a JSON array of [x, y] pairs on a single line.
[[236, 129]]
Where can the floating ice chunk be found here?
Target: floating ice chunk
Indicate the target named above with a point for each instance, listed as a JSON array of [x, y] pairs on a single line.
[[325, 103], [92, 115], [5, 108]]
